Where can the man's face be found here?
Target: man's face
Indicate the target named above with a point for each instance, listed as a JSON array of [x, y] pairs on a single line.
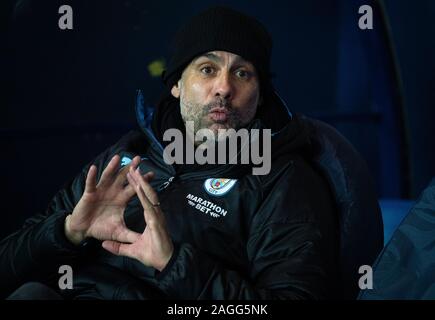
[[218, 90]]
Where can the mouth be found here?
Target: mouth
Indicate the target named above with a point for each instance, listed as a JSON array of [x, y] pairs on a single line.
[[218, 114]]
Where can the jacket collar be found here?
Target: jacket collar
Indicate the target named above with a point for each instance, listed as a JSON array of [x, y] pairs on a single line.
[[288, 134]]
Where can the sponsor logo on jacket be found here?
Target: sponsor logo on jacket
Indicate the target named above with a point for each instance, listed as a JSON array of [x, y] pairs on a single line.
[[205, 206], [126, 160]]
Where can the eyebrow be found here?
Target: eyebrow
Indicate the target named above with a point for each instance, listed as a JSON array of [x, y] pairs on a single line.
[[210, 56], [217, 59]]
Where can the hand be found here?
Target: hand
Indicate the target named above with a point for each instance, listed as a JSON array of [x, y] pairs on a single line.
[[100, 211], [154, 247]]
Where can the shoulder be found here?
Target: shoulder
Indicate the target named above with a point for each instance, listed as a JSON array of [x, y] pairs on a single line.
[[129, 145], [133, 141]]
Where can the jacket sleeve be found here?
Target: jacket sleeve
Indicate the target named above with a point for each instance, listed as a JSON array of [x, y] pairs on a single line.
[[292, 251], [40, 247]]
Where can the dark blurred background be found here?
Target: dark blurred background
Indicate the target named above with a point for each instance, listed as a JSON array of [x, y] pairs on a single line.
[[68, 94]]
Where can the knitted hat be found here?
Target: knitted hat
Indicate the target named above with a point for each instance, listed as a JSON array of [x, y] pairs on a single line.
[[223, 29]]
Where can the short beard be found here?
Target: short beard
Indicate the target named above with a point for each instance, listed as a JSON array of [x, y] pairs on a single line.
[[198, 114]]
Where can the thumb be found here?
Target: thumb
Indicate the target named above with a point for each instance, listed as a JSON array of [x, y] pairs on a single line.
[[118, 248]]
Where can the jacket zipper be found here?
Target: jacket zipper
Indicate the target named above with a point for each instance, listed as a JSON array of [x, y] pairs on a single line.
[[165, 184]]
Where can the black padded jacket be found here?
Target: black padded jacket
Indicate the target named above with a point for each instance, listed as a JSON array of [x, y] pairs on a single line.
[[236, 235]]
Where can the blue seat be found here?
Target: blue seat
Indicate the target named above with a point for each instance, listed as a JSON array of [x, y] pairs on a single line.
[[393, 212], [406, 267]]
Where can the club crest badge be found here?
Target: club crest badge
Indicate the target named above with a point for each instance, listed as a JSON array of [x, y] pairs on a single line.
[[219, 186]]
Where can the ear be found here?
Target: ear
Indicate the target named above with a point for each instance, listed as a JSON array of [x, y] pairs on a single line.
[[175, 91]]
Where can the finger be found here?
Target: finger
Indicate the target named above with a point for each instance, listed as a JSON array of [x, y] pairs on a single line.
[[131, 171], [151, 196], [121, 177], [129, 190], [126, 235], [149, 176], [146, 187], [132, 186], [135, 162], [91, 179], [149, 210], [118, 248], [138, 191], [109, 172]]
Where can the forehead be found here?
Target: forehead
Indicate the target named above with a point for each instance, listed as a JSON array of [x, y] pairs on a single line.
[[221, 57]]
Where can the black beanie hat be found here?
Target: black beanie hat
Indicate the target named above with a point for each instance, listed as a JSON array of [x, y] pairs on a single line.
[[224, 29]]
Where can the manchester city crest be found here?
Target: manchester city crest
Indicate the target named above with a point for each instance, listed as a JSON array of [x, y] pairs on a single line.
[[219, 186]]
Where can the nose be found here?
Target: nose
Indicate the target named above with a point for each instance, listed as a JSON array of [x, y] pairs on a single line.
[[223, 86]]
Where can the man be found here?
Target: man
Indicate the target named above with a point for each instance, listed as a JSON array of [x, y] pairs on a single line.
[[134, 227]]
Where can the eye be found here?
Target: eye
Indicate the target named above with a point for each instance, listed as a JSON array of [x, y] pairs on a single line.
[[242, 74], [207, 70]]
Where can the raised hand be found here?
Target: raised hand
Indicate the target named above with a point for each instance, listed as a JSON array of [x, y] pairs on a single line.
[[154, 246], [99, 213]]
